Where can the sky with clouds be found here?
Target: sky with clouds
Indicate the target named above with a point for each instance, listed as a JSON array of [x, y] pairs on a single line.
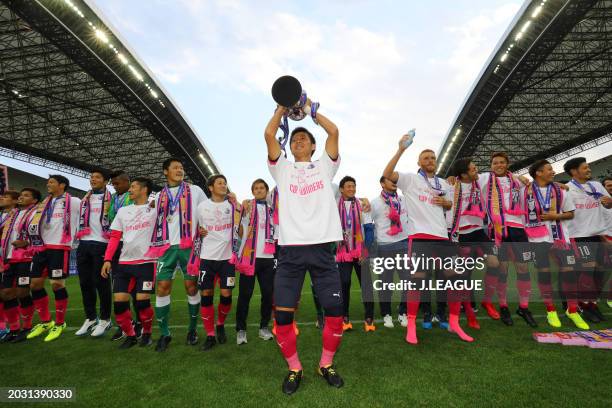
[[378, 68]]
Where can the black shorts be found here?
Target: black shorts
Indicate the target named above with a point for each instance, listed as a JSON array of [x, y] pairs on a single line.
[[293, 263], [16, 275], [515, 246], [51, 263], [544, 250], [476, 243], [587, 248], [222, 270], [429, 249], [138, 277]]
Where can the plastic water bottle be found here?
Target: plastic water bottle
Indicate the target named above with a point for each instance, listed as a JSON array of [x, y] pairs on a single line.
[[411, 135]]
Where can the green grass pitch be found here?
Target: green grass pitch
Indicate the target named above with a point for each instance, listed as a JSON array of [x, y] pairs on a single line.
[[503, 367]]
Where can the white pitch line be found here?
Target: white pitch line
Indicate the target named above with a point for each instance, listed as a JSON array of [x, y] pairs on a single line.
[[182, 326]]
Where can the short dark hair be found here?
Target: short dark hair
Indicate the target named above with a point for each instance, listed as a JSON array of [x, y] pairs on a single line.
[[119, 173], [302, 129], [61, 180], [144, 182], [12, 193], [537, 166], [607, 178], [260, 181], [573, 164], [166, 164], [310, 136], [461, 166], [101, 171], [35, 193], [345, 180], [500, 154], [211, 181], [382, 179]]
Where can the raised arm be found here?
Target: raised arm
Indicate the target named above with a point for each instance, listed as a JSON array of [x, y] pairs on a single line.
[[389, 171], [331, 144], [274, 149]]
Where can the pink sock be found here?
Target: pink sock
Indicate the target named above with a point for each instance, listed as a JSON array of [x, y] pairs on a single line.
[[208, 319], [287, 341], [546, 295], [469, 311], [490, 285], [146, 318], [332, 337], [586, 286], [26, 316], [60, 310], [411, 336], [524, 291], [12, 318], [2, 316], [125, 322], [222, 312], [413, 300], [42, 307], [454, 327]]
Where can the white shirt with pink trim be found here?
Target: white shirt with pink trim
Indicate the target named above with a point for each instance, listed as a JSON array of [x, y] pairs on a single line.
[[590, 218], [52, 231], [217, 219], [308, 213], [136, 222], [567, 206], [424, 217], [382, 223]]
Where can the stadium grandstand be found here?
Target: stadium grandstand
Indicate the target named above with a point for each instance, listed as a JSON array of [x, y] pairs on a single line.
[[74, 96], [545, 92]]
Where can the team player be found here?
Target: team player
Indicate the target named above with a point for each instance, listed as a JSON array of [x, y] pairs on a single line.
[[52, 233], [8, 202], [468, 229], [548, 211], [308, 224], [351, 252], [15, 265], [391, 228], [93, 233], [427, 200], [134, 270], [120, 181], [171, 243], [503, 195], [587, 230], [218, 220], [256, 260]]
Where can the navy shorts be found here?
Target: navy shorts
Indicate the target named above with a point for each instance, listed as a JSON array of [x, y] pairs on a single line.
[[16, 275], [51, 263], [476, 243], [134, 277], [223, 270], [429, 250], [545, 250], [294, 261], [587, 248], [515, 246]]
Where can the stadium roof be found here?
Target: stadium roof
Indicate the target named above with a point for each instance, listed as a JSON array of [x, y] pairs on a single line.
[[545, 90], [73, 96]]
